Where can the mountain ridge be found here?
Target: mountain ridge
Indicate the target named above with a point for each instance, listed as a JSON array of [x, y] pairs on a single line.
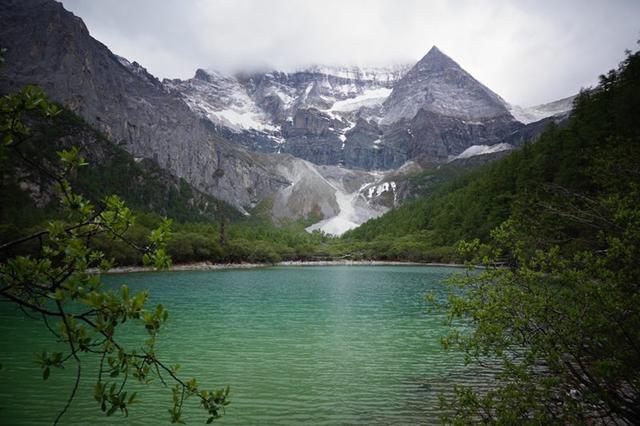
[[349, 116]]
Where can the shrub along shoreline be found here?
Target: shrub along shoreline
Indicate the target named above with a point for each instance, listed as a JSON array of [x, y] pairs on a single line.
[[209, 266]]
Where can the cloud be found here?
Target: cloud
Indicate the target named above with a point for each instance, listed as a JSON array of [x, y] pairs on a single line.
[[527, 51]]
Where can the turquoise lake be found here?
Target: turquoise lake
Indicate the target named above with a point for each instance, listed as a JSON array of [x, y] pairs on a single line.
[[297, 345]]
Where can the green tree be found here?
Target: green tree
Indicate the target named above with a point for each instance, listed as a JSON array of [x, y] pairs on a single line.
[[56, 284], [557, 309]]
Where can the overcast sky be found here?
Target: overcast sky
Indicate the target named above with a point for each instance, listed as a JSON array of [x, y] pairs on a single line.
[[529, 51]]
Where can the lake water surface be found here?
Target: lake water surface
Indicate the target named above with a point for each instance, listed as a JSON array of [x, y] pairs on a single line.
[[297, 345]]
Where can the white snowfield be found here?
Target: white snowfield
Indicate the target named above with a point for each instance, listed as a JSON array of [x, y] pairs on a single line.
[[475, 150], [368, 98], [538, 112], [336, 193], [225, 101], [354, 211], [343, 191], [377, 190], [355, 207], [241, 120]]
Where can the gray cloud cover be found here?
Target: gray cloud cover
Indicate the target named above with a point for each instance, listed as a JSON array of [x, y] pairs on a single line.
[[527, 51]]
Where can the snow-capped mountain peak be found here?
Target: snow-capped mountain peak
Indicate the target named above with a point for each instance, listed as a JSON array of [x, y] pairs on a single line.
[[365, 117], [438, 84]]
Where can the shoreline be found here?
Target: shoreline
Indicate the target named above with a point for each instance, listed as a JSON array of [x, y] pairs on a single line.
[[208, 266]]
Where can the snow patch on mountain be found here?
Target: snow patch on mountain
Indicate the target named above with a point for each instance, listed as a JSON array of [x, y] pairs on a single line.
[[350, 190], [368, 98], [475, 150], [354, 211], [377, 190], [240, 120], [538, 112], [385, 75], [349, 217], [223, 100]]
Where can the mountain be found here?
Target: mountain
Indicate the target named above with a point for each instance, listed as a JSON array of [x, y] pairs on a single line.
[[123, 101], [565, 181], [438, 110], [28, 193], [374, 118], [229, 136], [305, 113]]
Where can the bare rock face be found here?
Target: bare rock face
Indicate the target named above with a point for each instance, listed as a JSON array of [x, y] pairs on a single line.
[[362, 148], [310, 122], [438, 137], [313, 136], [130, 106], [308, 192], [556, 109]]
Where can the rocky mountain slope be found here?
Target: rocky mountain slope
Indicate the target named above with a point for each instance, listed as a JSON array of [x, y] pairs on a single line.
[[305, 113], [439, 85], [123, 101], [27, 191]]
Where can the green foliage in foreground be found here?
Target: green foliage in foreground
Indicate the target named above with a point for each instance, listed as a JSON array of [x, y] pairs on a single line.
[[561, 318], [55, 284]]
